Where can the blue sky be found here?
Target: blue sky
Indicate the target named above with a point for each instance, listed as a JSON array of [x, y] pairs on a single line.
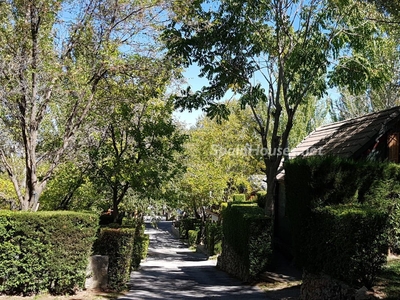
[[196, 83]]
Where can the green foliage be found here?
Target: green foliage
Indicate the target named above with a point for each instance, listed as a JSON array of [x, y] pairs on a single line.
[[60, 50], [320, 181], [46, 251], [7, 194], [297, 57], [239, 197], [140, 246], [390, 278], [248, 232], [140, 143], [219, 158], [71, 189], [193, 237], [345, 210], [188, 224], [261, 198], [346, 242], [213, 237], [118, 244]]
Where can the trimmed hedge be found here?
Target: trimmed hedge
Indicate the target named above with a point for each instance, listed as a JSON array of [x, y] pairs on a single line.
[[346, 242], [321, 181], [140, 248], [193, 237], [118, 244], [343, 215], [44, 251], [239, 197], [188, 224], [213, 237], [261, 199], [246, 247]]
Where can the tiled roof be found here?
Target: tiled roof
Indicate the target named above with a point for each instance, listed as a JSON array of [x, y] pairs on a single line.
[[348, 138]]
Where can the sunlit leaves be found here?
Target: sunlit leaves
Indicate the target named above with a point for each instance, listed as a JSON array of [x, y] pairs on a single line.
[[54, 56], [220, 157], [136, 150], [279, 53]]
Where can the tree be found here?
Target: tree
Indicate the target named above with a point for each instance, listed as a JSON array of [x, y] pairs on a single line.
[[220, 157], [276, 55], [349, 105], [70, 188], [134, 147], [53, 56], [389, 7]]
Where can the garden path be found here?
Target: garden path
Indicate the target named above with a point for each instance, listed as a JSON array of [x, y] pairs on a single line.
[[172, 271]]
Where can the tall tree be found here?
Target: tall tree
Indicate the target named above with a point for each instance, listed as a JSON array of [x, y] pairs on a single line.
[[389, 7], [53, 56], [278, 53], [134, 147], [220, 157], [349, 105]]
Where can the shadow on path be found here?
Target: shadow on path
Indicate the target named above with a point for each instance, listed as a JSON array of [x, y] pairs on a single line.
[[172, 271]]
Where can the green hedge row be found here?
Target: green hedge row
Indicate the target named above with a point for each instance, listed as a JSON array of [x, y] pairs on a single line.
[[261, 198], [188, 224], [125, 248], [247, 233], [342, 213], [348, 243], [213, 235], [239, 197], [193, 236], [140, 247], [44, 251], [117, 244]]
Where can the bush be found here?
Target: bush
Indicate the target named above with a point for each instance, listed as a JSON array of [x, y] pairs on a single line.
[[193, 236], [188, 224], [140, 247], [345, 242], [261, 199], [343, 214], [239, 197], [246, 248], [118, 244], [213, 237], [44, 251]]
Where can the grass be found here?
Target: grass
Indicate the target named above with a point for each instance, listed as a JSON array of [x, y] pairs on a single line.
[[390, 279]]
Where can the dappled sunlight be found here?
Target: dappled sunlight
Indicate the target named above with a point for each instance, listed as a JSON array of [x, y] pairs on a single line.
[[172, 271]]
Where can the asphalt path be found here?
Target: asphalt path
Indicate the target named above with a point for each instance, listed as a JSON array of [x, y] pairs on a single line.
[[172, 271]]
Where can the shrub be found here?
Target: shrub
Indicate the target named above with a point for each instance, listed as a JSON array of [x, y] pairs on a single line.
[[246, 248], [44, 251], [239, 197], [223, 206], [140, 247], [213, 237], [343, 214], [188, 224], [118, 244], [261, 199], [345, 242], [193, 237], [145, 245], [323, 181]]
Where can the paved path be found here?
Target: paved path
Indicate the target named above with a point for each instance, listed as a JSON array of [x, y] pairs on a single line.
[[172, 271]]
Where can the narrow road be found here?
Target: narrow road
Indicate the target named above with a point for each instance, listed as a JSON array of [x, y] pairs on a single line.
[[172, 271]]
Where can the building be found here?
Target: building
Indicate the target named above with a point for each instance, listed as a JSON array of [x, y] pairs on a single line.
[[375, 136]]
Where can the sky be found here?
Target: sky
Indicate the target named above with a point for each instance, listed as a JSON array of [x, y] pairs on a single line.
[[196, 83]]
